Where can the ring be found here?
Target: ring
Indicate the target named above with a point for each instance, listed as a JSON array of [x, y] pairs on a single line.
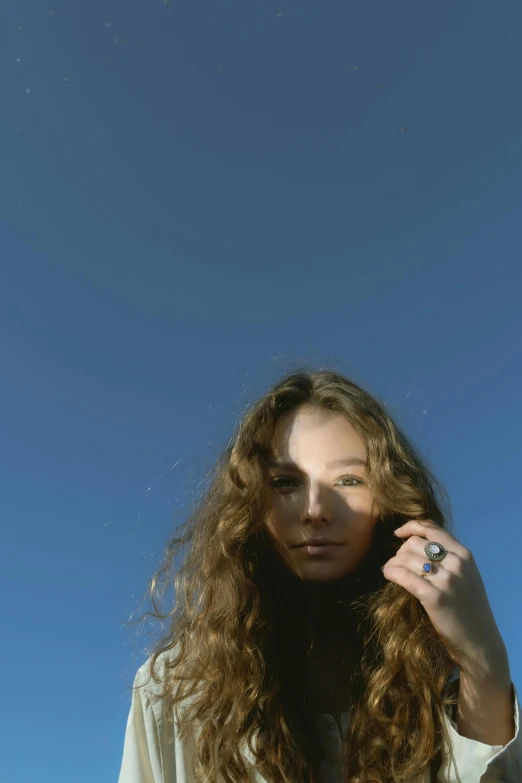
[[435, 553]]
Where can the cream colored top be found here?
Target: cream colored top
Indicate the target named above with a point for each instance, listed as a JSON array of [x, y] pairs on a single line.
[[147, 758]]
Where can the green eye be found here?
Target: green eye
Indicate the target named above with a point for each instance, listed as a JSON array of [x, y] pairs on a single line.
[[351, 478]]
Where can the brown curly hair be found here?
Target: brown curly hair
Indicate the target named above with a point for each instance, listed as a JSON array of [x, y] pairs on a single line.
[[237, 639]]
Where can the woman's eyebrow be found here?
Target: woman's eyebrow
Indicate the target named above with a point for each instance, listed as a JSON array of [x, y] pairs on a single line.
[[336, 463]]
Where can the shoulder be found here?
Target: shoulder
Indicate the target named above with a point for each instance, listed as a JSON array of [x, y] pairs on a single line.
[[144, 681]]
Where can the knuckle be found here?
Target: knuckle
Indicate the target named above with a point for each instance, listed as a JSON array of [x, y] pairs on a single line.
[[452, 578]]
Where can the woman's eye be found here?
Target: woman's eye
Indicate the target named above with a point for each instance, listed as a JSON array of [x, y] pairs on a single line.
[[276, 482], [351, 478]]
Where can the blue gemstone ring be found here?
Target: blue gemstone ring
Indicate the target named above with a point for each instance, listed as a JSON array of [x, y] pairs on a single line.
[[435, 553]]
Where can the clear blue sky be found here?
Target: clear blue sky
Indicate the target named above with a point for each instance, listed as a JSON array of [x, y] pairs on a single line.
[[226, 194]]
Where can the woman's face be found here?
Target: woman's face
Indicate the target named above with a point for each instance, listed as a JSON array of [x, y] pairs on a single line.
[[312, 496]]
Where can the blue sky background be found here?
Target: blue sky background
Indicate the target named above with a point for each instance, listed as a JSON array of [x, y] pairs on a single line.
[[191, 211]]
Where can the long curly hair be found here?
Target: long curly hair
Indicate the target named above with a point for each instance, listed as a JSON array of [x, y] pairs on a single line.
[[238, 637]]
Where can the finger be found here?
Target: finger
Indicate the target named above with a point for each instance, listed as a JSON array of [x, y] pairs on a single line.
[[415, 544], [415, 558], [412, 581], [431, 532]]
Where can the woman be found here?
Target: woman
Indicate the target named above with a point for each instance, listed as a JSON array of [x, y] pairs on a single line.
[[288, 663]]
